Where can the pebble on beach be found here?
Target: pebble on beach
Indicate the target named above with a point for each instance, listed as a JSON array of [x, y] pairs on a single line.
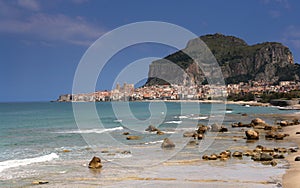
[[39, 182]]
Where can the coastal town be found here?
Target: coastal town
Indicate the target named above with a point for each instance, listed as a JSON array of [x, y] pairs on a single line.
[[128, 92]]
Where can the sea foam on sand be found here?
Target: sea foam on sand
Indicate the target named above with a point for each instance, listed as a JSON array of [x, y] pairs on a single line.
[[22, 162]]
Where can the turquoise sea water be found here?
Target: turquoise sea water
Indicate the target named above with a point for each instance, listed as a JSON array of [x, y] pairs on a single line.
[[34, 138]]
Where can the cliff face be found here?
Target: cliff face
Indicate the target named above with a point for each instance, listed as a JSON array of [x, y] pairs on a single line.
[[269, 61]]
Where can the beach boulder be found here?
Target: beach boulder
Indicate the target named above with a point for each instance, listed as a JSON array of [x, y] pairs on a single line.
[[215, 127], [198, 136], [213, 157], [262, 157], [296, 121], [133, 138], [202, 129], [249, 153], [205, 157], [225, 155], [252, 134], [39, 182], [292, 150], [278, 156], [240, 124], [275, 135], [257, 121], [160, 132], [265, 157], [270, 135], [283, 123], [297, 158], [95, 163], [280, 136], [237, 154], [272, 163], [151, 128], [223, 129], [280, 150], [167, 144]]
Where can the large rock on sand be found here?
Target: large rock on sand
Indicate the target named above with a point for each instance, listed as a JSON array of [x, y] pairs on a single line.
[[95, 163], [151, 128], [167, 144], [133, 138], [257, 121], [202, 129], [252, 134], [262, 157]]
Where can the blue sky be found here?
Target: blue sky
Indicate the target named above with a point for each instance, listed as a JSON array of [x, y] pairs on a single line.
[[42, 42]]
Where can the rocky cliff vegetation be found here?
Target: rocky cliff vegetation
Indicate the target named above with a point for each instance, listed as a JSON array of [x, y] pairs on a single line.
[[239, 62]]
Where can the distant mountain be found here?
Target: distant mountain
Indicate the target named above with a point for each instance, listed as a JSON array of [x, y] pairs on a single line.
[[239, 62]]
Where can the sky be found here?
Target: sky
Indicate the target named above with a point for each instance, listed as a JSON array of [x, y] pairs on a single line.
[[42, 42]]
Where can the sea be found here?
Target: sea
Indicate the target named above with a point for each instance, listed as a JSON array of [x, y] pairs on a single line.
[[54, 142]]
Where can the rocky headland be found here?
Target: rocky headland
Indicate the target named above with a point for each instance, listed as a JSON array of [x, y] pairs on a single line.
[[239, 62]]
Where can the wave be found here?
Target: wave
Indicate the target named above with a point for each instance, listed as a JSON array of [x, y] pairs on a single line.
[[174, 122], [169, 132], [181, 117], [199, 118], [91, 131], [228, 111], [22, 162], [122, 156], [154, 142], [118, 121]]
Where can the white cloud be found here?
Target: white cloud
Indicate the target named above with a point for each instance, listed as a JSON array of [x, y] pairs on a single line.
[[49, 28], [29, 4]]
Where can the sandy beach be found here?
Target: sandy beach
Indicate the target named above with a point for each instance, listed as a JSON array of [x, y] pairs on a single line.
[[292, 176]]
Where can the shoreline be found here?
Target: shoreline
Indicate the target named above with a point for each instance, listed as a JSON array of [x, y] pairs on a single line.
[[251, 103], [244, 103]]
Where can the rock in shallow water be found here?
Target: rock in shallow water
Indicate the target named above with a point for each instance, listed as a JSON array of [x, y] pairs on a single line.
[[151, 128], [95, 163], [252, 134], [39, 182], [262, 157], [133, 137], [237, 154], [167, 144]]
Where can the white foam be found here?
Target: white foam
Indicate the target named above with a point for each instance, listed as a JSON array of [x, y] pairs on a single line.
[[181, 117], [154, 142], [175, 122], [199, 118], [169, 132], [118, 121], [22, 162], [91, 131], [122, 156], [228, 111]]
